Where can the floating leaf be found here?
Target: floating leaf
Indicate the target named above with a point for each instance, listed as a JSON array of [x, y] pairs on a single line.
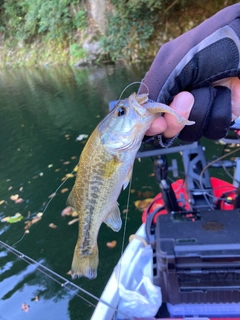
[[67, 211], [125, 211], [111, 244], [73, 157], [64, 190], [41, 174], [66, 162], [14, 197], [81, 137], [27, 231], [6, 219], [142, 204], [19, 200], [72, 221], [52, 225], [76, 168], [16, 218], [52, 195], [69, 175], [10, 188], [74, 213], [2, 201], [57, 170], [21, 189], [39, 214], [30, 223], [25, 307], [69, 273], [50, 165]]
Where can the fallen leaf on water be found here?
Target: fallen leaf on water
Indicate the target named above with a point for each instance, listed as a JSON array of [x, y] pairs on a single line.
[[74, 213], [66, 163], [14, 197], [56, 170], [52, 195], [16, 218], [76, 168], [73, 157], [27, 231], [29, 223], [69, 175], [6, 219], [146, 194], [67, 211], [132, 191], [2, 201], [111, 244], [19, 200], [52, 225], [41, 174], [50, 165], [21, 189], [125, 211], [69, 273], [142, 204], [25, 307], [10, 188], [151, 175], [72, 221], [39, 214], [64, 190], [81, 137]]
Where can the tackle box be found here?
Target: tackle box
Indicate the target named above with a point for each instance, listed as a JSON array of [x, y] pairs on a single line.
[[197, 257]]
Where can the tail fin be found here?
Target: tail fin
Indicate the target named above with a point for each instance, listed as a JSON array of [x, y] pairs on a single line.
[[85, 265]]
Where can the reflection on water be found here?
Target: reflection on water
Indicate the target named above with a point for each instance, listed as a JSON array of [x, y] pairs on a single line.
[[43, 111]]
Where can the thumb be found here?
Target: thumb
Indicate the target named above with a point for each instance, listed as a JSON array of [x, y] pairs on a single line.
[[182, 104]]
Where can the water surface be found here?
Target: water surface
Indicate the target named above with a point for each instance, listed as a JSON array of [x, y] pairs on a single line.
[[43, 111]]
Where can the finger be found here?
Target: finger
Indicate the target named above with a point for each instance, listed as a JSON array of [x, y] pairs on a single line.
[[182, 104], [234, 85], [158, 126]]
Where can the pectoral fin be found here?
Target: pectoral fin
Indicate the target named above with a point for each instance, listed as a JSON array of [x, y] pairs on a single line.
[[70, 201], [155, 107], [114, 220], [110, 167]]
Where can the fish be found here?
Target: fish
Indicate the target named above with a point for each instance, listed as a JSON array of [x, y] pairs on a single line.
[[105, 168]]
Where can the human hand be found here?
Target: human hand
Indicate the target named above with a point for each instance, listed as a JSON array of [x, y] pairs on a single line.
[[204, 62]]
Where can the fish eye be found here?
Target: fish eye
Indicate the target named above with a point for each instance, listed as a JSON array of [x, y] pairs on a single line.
[[121, 111]]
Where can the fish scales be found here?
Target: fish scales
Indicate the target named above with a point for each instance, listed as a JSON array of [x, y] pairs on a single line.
[[105, 166]]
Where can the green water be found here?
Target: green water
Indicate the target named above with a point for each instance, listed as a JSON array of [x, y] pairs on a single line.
[[43, 111]]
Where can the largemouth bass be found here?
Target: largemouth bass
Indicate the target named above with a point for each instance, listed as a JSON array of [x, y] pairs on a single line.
[[105, 167]]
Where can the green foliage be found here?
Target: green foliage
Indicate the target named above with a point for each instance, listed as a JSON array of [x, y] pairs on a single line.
[[77, 52], [55, 19], [130, 27]]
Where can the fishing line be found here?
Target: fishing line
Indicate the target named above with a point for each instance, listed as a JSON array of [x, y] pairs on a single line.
[[63, 282], [214, 161], [137, 82], [124, 236], [44, 210], [227, 171]]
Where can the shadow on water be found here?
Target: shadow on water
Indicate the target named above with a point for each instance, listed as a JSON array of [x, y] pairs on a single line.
[[43, 111]]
